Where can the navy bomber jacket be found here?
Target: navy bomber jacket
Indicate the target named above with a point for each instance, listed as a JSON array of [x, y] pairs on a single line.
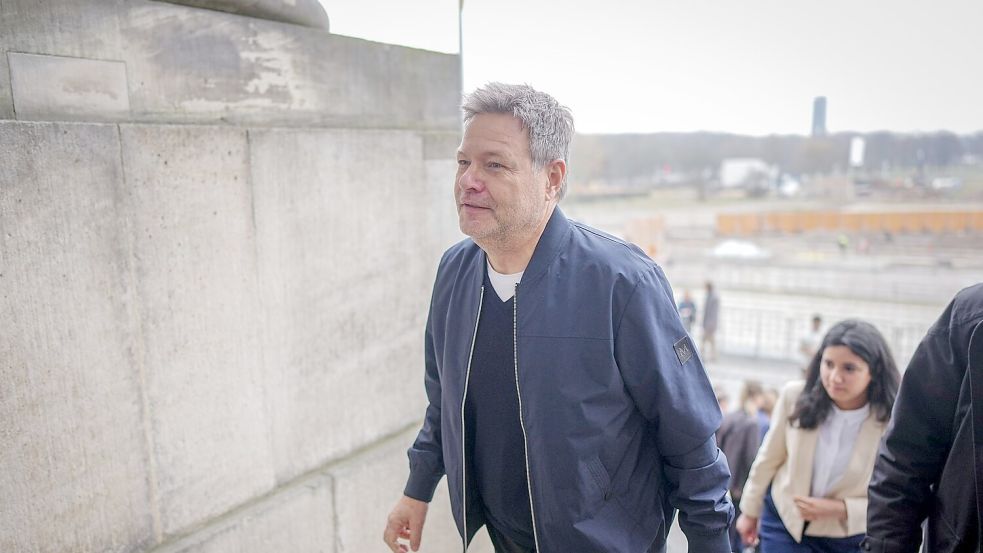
[[617, 410]]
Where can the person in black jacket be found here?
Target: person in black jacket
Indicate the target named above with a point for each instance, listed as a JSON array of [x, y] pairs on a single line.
[[930, 463], [739, 437]]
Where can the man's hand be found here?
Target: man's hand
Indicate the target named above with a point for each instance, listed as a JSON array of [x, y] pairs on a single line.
[[405, 522], [747, 527], [815, 508]]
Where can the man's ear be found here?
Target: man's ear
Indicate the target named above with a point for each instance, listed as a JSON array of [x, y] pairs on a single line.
[[555, 170]]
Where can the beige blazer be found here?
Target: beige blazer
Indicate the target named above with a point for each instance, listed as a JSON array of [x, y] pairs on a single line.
[[785, 461]]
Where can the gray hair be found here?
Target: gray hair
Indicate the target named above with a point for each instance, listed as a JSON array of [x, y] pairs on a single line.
[[549, 124]]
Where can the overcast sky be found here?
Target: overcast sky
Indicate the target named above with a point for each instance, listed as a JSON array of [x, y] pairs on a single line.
[[748, 66]]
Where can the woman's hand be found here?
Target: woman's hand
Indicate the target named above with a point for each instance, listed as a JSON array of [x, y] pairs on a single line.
[[815, 508], [747, 527]]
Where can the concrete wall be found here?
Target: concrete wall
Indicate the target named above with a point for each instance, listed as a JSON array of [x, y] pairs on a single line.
[[217, 240]]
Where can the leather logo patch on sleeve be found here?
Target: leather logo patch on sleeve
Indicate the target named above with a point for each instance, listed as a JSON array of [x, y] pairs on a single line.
[[684, 349]]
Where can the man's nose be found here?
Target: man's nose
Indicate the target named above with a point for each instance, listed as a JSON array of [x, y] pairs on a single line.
[[469, 179]]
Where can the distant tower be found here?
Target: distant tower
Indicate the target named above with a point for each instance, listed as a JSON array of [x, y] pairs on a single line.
[[819, 116]]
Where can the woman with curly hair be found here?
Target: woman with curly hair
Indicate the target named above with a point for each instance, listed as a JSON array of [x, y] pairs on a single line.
[[807, 490]]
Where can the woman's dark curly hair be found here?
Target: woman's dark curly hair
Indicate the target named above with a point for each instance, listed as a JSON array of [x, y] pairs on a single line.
[[865, 341]]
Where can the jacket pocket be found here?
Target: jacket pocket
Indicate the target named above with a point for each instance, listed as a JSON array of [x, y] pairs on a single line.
[[600, 476]]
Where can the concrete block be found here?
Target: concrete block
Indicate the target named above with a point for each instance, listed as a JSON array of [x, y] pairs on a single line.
[[298, 519], [62, 88], [6, 99], [441, 210], [76, 28], [299, 12], [345, 260], [189, 200], [74, 451], [431, 91], [441, 145], [201, 65], [190, 65], [367, 487]]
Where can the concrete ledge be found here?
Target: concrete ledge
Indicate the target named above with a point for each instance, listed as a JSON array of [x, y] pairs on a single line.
[[75, 28], [67, 89], [309, 13], [188, 65], [201, 66]]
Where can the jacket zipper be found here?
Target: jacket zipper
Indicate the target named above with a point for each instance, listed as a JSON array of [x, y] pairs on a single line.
[[525, 438], [464, 432]]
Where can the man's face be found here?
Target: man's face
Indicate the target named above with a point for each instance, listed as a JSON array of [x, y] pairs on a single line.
[[500, 196]]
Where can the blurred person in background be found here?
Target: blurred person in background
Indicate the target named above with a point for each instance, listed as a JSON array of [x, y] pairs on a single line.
[[739, 438], [687, 311], [723, 398], [809, 342], [711, 316], [807, 490], [767, 406], [930, 464]]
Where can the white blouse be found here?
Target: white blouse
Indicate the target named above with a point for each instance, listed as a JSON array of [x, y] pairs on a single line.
[[837, 435]]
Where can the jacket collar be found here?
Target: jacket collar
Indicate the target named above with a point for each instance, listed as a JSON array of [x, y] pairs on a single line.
[[549, 246]]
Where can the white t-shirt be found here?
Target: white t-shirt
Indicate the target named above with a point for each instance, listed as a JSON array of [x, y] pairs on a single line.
[[504, 285], [837, 436]]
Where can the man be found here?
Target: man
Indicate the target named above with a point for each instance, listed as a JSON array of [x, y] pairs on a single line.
[[566, 404], [930, 463], [711, 316]]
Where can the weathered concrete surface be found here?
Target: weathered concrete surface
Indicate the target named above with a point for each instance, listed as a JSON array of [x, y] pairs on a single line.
[[72, 443], [67, 89], [197, 319], [298, 519], [187, 65], [299, 12], [367, 487], [188, 196], [345, 260], [6, 99], [76, 28], [190, 65], [440, 170]]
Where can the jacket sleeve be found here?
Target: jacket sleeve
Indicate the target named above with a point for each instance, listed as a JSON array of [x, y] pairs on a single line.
[[771, 456], [426, 454], [669, 386], [856, 515], [915, 446]]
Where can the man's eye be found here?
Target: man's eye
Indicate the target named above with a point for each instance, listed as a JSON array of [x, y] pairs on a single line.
[[462, 162], [495, 165]]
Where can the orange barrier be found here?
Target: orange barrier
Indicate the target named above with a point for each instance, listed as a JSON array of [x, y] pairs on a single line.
[[789, 222]]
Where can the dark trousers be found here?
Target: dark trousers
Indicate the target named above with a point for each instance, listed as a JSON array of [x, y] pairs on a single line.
[[776, 539], [503, 544]]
